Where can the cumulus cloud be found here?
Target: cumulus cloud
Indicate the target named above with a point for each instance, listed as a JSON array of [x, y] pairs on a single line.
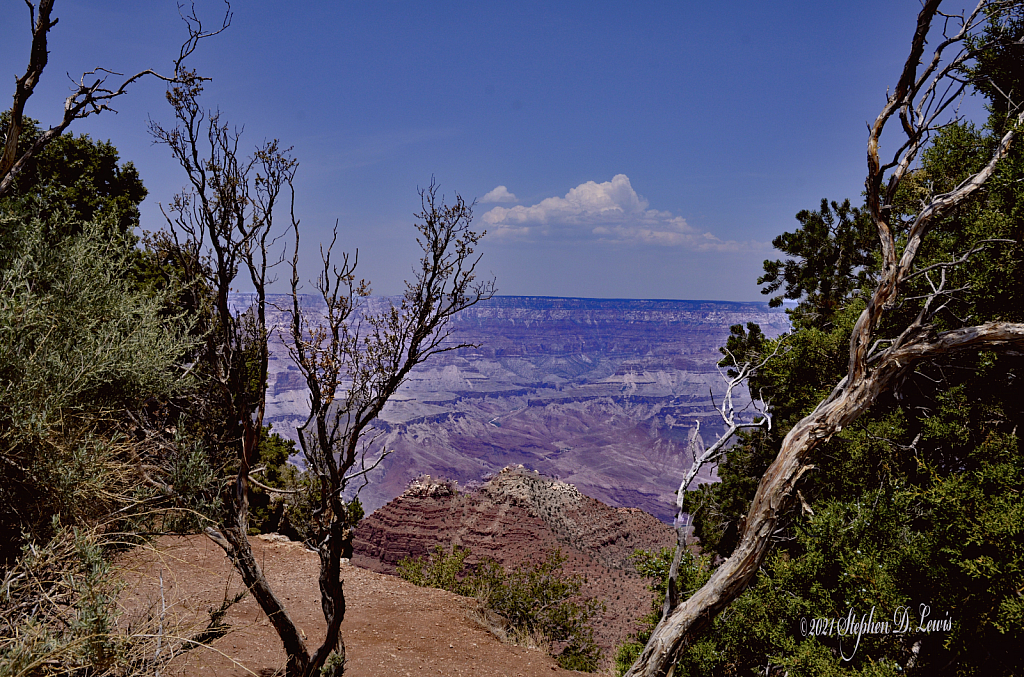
[[611, 211], [499, 194]]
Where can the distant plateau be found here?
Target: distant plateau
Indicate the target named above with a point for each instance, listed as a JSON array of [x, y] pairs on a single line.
[[600, 393]]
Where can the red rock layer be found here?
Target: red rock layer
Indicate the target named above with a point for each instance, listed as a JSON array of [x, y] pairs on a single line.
[[520, 516]]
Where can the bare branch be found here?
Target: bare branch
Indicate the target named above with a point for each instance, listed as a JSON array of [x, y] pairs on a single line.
[[367, 469], [91, 96], [354, 360], [273, 490], [710, 456], [26, 84], [229, 210], [918, 100]]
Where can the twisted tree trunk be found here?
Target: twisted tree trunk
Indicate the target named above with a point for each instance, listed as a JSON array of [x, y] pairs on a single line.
[[926, 87], [775, 492]]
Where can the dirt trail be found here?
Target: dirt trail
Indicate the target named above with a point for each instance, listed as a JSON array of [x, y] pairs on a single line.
[[391, 627]]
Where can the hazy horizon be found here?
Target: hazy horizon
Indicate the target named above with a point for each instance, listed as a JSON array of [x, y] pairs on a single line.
[[641, 150]]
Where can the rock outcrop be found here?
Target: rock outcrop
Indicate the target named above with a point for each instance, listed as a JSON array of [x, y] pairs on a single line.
[[520, 516], [601, 393]]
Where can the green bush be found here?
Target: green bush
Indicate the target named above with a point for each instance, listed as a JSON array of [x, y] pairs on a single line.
[[694, 571], [58, 607], [267, 508], [79, 345], [83, 351], [441, 569], [194, 483], [534, 600]]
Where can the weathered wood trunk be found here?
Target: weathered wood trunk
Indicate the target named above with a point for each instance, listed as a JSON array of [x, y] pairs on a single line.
[[774, 495], [234, 540], [776, 489], [332, 602], [240, 553]]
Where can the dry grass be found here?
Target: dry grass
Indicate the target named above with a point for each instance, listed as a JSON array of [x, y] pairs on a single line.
[[498, 626], [60, 614]]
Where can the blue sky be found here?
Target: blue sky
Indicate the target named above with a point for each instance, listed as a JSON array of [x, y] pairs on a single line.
[[645, 149]]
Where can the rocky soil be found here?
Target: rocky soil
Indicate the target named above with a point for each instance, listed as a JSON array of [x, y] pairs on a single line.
[[392, 628], [519, 516]]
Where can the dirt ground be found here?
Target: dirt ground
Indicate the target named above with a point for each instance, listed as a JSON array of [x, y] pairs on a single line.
[[391, 627]]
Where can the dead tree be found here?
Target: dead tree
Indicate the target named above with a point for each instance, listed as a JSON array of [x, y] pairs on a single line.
[[736, 376], [925, 93], [91, 95], [353, 361], [223, 223]]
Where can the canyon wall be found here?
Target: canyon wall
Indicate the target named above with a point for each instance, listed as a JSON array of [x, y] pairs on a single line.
[[601, 393], [520, 517]]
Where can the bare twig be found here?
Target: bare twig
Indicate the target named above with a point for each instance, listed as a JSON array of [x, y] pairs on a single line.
[[927, 88], [91, 96]]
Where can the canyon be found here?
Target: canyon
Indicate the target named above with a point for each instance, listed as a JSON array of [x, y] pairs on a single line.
[[600, 393], [516, 518]]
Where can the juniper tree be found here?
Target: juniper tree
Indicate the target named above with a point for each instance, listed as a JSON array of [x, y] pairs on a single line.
[[906, 318]]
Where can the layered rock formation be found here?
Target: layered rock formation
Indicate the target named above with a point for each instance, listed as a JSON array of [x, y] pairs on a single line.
[[600, 393], [520, 516]]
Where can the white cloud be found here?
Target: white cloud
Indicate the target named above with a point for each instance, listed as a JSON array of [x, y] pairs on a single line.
[[499, 194], [610, 212]]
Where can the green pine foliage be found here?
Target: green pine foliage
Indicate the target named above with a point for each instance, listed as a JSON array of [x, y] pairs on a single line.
[[917, 503], [266, 508], [79, 177], [835, 238]]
